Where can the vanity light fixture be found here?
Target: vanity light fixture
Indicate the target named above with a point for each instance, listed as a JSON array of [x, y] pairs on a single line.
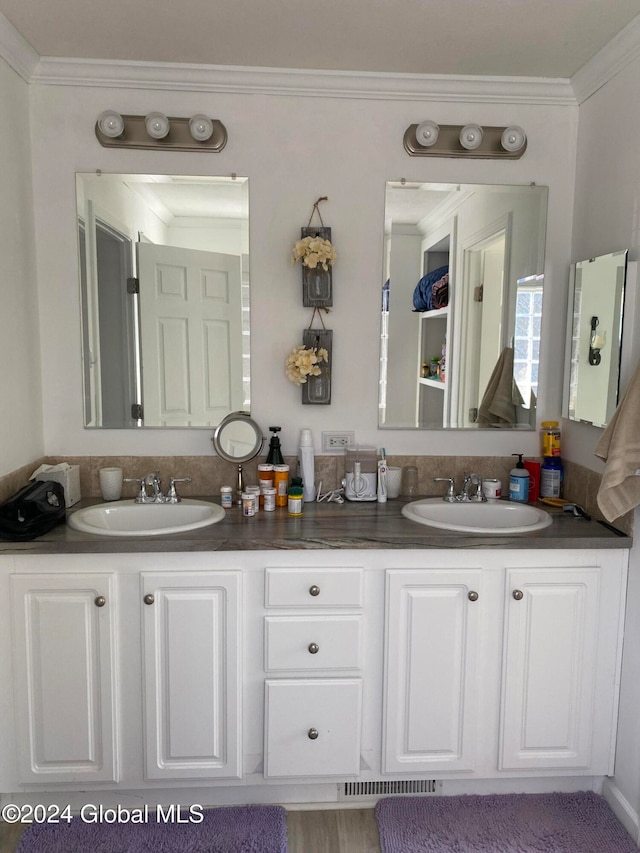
[[471, 136], [428, 139], [427, 133], [156, 130], [513, 138], [111, 123], [200, 127], [158, 125]]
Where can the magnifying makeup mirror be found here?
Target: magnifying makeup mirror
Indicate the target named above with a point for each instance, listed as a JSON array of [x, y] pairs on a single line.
[[237, 439]]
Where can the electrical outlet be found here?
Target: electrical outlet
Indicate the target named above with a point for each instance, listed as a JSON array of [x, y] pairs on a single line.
[[337, 442]]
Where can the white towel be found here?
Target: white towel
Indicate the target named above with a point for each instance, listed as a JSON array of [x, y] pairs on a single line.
[[619, 446], [501, 397]]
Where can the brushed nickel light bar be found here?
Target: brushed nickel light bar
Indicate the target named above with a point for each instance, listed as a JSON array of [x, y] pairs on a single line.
[[429, 139], [157, 131]]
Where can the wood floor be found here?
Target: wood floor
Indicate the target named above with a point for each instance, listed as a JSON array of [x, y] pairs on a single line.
[[339, 831]]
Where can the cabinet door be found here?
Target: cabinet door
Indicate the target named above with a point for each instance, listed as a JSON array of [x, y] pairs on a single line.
[[64, 665], [431, 669], [549, 670], [191, 674]]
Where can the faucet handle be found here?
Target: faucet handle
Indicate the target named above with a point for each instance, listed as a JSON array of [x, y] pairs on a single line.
[[141, 497], [450, 496], [172, 496]]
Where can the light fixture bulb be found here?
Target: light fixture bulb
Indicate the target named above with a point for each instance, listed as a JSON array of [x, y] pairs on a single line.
[[513, 138], [427, 133], [111, 123], [201, 127], [471, 136], [157, 124]]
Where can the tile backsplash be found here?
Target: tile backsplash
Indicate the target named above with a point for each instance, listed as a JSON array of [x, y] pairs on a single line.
[[208, 474]]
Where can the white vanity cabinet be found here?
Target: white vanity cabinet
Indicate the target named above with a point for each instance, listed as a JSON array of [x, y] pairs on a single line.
[[64, 662], [556, 624], [191, 670], [313, 631], [504, 671], [431, 670], [280, 675]]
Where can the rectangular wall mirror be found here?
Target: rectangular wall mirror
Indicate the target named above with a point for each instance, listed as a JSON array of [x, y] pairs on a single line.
[[596, 308], [164, 279], [461, 306]]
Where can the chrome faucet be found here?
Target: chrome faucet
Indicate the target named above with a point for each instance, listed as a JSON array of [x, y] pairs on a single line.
[[471, 490], [472, 482], [154, 482]]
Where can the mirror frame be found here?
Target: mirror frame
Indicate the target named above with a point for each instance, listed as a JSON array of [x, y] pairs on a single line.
[[233, 418]]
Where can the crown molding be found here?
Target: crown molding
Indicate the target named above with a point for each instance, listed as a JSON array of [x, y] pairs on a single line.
[[297, 82], [16, 50], [609, 61]]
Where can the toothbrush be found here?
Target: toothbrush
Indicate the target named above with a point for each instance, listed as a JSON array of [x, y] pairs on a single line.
[[382, 477]]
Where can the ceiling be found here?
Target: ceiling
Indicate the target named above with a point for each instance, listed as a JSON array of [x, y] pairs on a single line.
[[522, 38]]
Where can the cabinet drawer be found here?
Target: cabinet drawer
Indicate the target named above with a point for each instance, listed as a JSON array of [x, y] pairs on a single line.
[[312, 727], [313, 588], [303, 643]]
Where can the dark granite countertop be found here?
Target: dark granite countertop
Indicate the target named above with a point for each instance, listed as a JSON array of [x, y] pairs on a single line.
[[323, 526]]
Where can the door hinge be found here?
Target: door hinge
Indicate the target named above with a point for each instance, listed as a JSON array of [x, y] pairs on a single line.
[[137, 411], [133, 285], [478, 293]]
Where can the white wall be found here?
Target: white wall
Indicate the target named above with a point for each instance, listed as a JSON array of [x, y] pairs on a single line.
[[21, 439], [607, 218], [341, 147]]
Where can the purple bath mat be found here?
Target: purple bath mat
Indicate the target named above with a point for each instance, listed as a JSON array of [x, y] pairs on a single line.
[[511, 823], [240, 829]]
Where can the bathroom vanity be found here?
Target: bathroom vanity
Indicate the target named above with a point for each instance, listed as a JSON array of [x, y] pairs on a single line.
[[282, 660]]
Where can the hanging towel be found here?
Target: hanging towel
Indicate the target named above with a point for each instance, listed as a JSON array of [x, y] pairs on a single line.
[[498, 406], [619, 446]]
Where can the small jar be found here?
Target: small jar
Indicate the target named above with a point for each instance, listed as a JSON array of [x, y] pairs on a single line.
[[269, 497], [492, 488], [296, 500], [265, 479], [281, 483], [226, 497], [248, 504], [255, 491]]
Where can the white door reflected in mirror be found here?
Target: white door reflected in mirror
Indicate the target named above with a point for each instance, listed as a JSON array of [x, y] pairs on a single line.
[[164, 276]]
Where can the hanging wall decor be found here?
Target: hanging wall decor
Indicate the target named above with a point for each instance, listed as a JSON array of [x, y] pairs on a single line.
[[309, 365], [317, 254]]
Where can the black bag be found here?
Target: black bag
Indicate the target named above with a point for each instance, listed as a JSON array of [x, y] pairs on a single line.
[[32, 511]]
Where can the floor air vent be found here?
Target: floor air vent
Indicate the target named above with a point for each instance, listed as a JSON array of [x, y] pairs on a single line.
[[386, 789]]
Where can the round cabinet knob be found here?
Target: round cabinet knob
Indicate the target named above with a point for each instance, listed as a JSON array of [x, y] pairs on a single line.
[[518, 594], [312, 734], [100, 601], [314, 648], [473, 595], [148, 599], [314, 590]]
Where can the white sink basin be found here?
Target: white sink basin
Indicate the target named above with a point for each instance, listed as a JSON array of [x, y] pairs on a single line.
[[126, 518], [492, 517]]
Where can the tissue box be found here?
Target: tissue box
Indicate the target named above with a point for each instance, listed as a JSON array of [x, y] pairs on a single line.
[[67, 475]]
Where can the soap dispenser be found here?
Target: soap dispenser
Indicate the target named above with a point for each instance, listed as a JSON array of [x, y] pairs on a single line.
[[519, 481], [274, 457]]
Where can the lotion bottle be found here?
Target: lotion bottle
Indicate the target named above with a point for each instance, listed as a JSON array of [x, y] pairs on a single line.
[[307, 465], [519, 481]]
